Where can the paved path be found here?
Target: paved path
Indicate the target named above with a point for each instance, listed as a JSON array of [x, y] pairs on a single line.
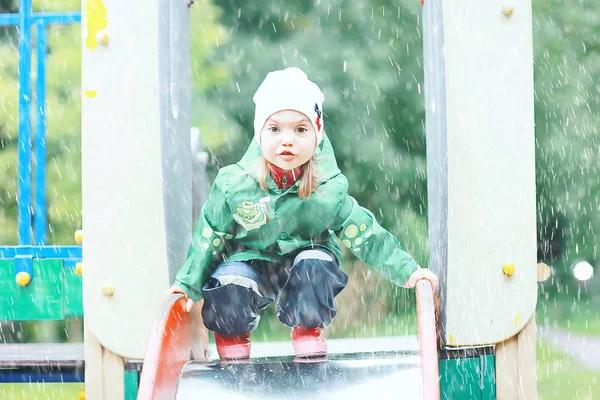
[[586, 349]]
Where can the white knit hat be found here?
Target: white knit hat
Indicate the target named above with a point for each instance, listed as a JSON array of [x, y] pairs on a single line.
[[288, 89]]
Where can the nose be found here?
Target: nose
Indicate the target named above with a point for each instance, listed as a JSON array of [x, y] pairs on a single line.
[[287, 138]]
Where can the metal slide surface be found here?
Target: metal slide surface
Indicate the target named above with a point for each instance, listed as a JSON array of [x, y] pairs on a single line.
[[354, 368], [344, 377]]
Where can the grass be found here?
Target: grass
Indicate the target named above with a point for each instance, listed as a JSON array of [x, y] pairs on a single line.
[[584, 319], [561, 377], [581, 317], [40, 391], [583, 324]]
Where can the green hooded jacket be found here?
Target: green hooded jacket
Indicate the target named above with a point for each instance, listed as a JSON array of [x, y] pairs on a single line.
[[241, 222]]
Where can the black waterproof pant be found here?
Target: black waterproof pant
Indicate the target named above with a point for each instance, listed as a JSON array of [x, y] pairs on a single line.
[[303, 289]]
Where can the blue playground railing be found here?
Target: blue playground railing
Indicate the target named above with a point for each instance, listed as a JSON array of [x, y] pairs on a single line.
[[33, 244]]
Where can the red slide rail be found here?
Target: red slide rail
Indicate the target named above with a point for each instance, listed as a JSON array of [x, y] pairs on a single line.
[[168, 349], [428, 340]]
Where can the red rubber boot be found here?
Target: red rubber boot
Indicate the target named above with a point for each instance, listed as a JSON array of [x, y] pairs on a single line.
[[233, 347], [309, 342]]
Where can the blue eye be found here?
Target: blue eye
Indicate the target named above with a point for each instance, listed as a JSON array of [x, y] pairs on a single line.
[[273, 129], [301, 130]]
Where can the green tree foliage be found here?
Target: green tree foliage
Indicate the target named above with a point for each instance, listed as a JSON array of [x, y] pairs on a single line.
[[567, 92], [8, 6]]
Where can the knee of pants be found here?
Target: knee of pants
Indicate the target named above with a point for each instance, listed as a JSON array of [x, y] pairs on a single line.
[[317, 269], [230, 309], [307, 299]]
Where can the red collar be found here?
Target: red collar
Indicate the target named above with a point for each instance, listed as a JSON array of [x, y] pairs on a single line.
[[285, 179]]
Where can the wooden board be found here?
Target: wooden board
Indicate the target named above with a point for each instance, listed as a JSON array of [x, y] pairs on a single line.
[[94, 384], [113, 375], [136, 196], [482, 168], [516, 366], [36, 354]]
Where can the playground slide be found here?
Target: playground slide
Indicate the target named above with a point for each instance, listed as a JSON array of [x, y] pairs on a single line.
[[168, 372]]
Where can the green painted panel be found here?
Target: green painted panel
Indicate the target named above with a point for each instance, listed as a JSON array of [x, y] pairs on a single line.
[[72, 293], [131, 384], [40, 300], [459, 379], [468, 378], [489, 377]]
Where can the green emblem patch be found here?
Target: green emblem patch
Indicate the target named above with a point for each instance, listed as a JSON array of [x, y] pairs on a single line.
[[252, 215]]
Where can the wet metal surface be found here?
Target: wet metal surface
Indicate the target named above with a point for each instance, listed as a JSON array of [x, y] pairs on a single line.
[[341, 376]]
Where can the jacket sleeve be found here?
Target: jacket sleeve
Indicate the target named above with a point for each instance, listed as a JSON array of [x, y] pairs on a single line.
[[360, 232], [213, 230]]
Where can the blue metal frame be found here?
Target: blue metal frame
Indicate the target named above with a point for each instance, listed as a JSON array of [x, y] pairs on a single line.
[[32, 243], [39, 223], [38, 375], [41, 251], [24, 186], [48, 18]]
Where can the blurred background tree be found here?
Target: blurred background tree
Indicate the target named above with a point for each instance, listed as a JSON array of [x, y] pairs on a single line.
[[567, 90]]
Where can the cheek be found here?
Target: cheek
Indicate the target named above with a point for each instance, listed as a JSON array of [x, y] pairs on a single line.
[[306, 153], [308, 145], [269, 147], [270, 143], [266, 140]]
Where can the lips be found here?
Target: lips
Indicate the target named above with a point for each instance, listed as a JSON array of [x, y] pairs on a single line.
[[286, 153]]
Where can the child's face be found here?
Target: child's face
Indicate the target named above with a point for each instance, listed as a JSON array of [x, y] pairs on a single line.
[[288, 139]]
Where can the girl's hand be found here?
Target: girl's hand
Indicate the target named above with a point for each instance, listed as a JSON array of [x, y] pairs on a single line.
[[176, 289], [422, 273]]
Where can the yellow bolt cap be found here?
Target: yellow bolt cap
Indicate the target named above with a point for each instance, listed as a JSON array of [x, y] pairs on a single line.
[[108, 290], [82, 394], [508, 269], [78, 236], [102, 37], [23, 278], [79, 268], [508, 9]]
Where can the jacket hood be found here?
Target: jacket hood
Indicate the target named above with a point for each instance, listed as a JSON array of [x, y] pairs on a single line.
[[326, 162]]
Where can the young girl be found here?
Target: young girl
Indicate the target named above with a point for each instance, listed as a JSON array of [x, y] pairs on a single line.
[[267, 232]]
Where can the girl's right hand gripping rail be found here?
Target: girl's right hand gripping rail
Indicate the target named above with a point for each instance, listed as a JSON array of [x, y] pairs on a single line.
[[426, 319]]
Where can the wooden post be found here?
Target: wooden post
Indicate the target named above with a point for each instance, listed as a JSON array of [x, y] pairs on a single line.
[[113, 375], [104, 371], [516, 366], [94, 360]]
